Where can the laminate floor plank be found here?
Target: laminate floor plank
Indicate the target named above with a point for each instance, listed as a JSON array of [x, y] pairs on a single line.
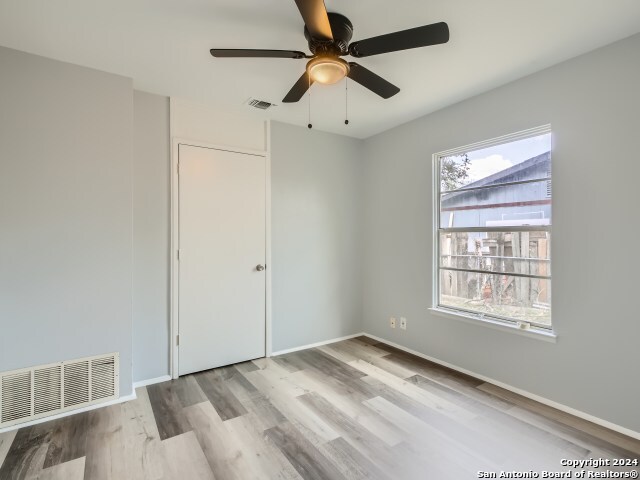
[[213, 385], [362, 349], [428, 441], [326, 363], [188, 391], [167, 410], [354, 388], [550, 449], [462, 431], [499, 417], [431, 370], [254, 401], [105, 444], [366, 340], [281, 392], [350, 406], [623, 441], [185, 459], [262, 454], [274, 379], [391, 462], [232, 451], [224, 455], [305, 458], [490, 423], [268, 366], [338, 354], [428, 399], [262, 362], [240, 382], [571, 434], [341, 373], [392, 367], [124, 443], [27, 453], [291, 362], [71, 470], [351, 463], [143, 456], [356, 409], [347, 355], [383, 362], [68, 439], [224, 373], [466, 389], [246, 367], [6, 439], [472, 403], [450, 379]]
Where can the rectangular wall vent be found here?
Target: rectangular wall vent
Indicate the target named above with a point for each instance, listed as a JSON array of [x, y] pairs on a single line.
[[32, 393]]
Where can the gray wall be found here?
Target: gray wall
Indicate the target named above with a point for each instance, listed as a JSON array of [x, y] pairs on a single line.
[[316, 235], [592, 103], [151, 202], [65, 213]]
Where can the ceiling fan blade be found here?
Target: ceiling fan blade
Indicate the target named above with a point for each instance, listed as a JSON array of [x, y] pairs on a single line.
[[248, 53], [424, 36], [315, 17], [299, 89], [370, 80]]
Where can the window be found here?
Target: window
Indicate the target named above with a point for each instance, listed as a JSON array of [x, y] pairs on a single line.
[[493, 229]]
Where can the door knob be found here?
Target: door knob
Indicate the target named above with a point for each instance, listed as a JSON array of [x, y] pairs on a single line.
[[260, 268]]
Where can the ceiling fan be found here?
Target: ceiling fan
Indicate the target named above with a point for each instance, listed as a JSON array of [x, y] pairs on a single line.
[[328, 35]]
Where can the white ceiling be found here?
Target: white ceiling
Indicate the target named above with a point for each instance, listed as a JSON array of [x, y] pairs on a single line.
[[164, 46]]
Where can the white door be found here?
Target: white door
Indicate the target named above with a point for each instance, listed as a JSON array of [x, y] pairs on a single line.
[[222, 222]]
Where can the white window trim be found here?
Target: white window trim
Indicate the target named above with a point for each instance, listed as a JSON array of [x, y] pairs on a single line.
[[477, 319]]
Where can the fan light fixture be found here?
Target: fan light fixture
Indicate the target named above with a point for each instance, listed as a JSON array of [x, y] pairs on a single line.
[[329, 38], [327, 70]]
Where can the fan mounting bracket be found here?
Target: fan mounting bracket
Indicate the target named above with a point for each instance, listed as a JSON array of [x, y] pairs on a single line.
[[342, 30]]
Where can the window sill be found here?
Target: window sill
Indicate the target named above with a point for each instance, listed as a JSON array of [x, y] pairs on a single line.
[[533, 332]]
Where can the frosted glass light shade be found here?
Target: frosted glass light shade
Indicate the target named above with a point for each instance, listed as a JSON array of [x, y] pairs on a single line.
[[327, 70]]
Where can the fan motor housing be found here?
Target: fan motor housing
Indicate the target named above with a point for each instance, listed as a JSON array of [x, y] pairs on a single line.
[[342, 30]]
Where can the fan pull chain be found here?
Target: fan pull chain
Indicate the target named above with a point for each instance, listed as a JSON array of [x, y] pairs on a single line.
[[309, 95], [346, 100]]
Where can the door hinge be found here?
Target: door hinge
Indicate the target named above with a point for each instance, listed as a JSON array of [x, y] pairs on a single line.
[[178, 168], [178, 254], [178, 340]]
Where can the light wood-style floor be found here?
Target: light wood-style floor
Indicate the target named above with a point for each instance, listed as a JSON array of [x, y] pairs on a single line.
[[351, 410]]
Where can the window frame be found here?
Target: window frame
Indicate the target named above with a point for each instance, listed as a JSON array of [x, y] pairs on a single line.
[[470, 315]]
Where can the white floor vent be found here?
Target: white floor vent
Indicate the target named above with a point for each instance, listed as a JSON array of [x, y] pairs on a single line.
[[31, 393]]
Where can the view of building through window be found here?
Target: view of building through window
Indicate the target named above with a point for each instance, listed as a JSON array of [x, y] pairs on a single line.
[[494, 230]]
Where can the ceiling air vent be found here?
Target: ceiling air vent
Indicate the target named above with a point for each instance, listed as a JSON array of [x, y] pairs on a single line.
[[32, 393], [260, 104]]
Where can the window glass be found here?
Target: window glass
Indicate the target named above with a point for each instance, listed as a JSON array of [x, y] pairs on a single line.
[[494, 231]]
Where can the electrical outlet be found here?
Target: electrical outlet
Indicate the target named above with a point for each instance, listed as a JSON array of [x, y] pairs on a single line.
[[392, 322], [403, 323]]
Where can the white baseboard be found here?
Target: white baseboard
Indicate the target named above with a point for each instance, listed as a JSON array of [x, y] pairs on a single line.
[[524, 393], [151, 381], [68, 413], [317, 344]]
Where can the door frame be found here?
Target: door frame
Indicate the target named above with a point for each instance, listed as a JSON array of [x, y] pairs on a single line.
[[174, 320]]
